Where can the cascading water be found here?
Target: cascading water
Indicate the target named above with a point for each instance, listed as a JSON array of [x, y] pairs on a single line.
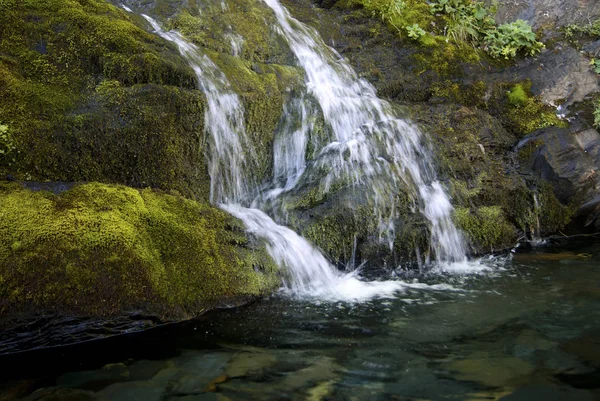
[[372, 145], [308, 273], [382, 148], [224, 122]]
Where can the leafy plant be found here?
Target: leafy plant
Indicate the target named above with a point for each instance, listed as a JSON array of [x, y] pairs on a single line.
[[415, 31], [394, 8], [466, 20], [508, 39], [592, 30], [595, 63]]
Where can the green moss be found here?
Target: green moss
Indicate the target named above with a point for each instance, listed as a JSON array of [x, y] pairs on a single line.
[[90, 96], [520, 111], [597, 115], [247, 20], [517, 96], [102, 249], [467, 95], [553, 215], [337, 233], [486, 227]]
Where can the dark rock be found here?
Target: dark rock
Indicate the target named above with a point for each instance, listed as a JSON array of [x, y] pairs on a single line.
[[569, 158], [62, 394], [548, 14], [548, 393]]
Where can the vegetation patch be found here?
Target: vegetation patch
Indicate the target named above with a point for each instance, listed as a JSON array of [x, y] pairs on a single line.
[[88, 95], [520, 111], [103, 249], [486, 227], [466, 23]]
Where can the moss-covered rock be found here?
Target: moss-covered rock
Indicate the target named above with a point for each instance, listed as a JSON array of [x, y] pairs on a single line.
[[487, 227], [520, 111], [106, 250], [87, 95]]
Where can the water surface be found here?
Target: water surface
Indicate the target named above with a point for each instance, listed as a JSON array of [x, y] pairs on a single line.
[[528, 328]]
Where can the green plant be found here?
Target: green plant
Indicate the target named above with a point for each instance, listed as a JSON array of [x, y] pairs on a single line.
[[508, 39], [573, 31], [7, 144], [415, 31], [517, 96], [595, 63], [466, 20]]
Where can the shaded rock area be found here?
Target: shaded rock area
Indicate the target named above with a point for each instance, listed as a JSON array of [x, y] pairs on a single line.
[[548, 14]]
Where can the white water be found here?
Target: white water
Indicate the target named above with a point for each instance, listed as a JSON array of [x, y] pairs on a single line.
[[384, 152], [224, 122], [372, 145]]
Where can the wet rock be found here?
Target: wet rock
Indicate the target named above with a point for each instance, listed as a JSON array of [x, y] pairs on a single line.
[[548, 393], [424, 385], [548, 13], [569, 158], [12, 390], [559, 75], [95, 379], [139, 390], [244, 364], [491, 370], [62, 394], [323, 369], [144, 370], [320, 391], [586, 347], [198, 397], [192, 373]]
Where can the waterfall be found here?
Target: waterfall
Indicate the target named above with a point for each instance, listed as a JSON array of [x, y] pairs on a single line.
[[372, 146], [230, 153]]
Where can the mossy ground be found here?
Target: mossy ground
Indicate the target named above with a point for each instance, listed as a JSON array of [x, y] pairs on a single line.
[[103, 249]]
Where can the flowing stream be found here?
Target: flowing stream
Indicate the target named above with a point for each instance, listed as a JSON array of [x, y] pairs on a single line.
[[371, 146]]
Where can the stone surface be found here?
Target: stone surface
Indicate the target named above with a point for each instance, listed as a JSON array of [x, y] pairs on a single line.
[[548, 13], [570, 159]]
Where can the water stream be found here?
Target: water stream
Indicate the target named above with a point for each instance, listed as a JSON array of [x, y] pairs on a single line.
[[372, 146]]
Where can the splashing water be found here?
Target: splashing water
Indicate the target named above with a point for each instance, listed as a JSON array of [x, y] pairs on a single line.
[[308, 273]]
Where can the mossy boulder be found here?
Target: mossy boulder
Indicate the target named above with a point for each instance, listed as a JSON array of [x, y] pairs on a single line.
[[88, 95], [106, 250]]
